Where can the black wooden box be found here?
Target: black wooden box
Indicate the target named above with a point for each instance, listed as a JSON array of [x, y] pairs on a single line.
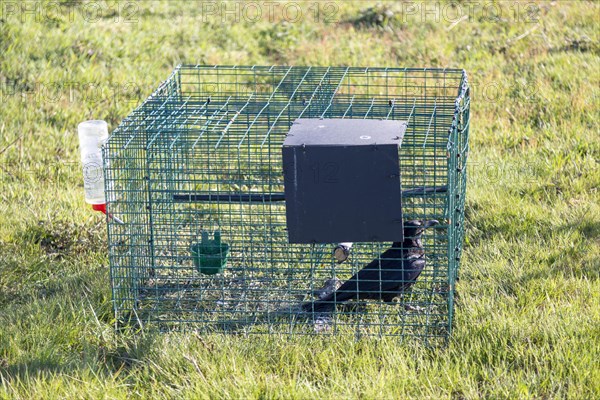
[[342, 180]]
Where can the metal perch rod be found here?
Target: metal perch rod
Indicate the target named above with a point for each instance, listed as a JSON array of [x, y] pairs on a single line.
[[275, 197]]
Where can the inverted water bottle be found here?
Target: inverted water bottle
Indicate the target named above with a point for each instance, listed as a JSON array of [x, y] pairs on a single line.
[[92, 135]]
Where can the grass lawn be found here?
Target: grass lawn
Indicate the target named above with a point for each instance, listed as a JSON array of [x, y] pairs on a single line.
[[527, 318]]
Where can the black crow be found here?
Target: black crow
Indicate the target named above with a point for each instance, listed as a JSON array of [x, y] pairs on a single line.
[[384, 278]]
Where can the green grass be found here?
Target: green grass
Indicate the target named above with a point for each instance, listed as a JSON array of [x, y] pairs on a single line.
[[527, 316]]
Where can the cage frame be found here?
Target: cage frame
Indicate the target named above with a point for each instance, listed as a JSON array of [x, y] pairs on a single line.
[[152, 129]]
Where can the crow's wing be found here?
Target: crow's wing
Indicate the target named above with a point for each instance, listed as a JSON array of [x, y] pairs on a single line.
[[385, 276], [413, 268], [391, 273]]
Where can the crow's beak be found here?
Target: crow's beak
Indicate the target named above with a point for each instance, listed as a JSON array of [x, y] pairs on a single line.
[[430, 223]]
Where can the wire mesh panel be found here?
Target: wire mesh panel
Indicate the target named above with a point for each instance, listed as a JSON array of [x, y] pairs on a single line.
[[196, 174]]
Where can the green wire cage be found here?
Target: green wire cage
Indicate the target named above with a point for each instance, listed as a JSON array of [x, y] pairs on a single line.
[[196, 173]]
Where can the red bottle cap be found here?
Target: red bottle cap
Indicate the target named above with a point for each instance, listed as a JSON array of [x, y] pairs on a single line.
[[99, 207]]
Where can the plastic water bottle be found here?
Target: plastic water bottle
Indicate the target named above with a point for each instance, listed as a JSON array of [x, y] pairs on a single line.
[[92, 135]]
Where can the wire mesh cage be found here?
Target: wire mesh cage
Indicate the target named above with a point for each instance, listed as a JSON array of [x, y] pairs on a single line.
[[196, 174]]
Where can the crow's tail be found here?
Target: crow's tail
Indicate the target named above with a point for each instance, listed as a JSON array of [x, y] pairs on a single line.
[[318, 307], [324, 305]]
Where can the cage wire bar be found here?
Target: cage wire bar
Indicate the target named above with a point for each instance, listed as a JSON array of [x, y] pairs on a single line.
[[203, 154]]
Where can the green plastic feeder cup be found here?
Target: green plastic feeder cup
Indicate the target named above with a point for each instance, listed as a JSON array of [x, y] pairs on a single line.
[[210, 256]]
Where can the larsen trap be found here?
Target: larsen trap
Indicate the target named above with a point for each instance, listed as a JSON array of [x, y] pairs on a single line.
[[294, 200]]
